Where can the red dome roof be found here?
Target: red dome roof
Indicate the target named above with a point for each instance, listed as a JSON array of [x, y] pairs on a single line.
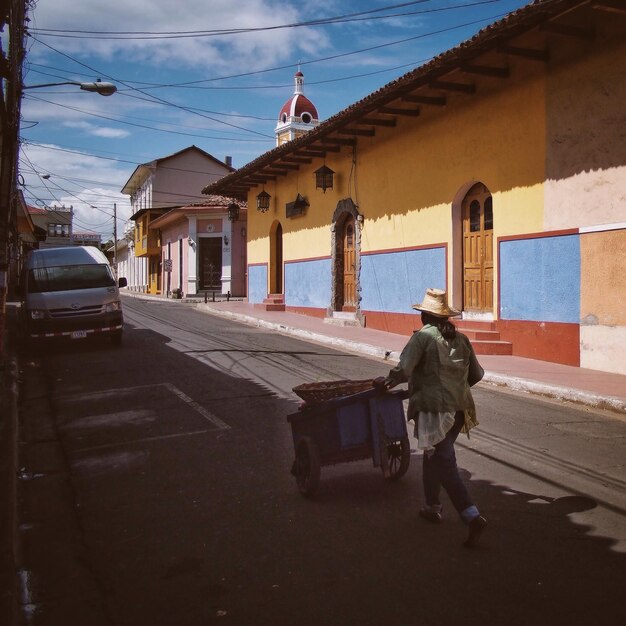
[[296, 106]]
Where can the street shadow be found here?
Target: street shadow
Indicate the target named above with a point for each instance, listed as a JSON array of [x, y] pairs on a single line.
[[182, 502]]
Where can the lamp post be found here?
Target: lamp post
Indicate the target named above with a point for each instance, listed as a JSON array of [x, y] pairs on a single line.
[[104, 89]]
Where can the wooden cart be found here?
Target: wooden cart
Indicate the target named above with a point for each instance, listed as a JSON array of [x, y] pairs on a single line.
[[362, 425]]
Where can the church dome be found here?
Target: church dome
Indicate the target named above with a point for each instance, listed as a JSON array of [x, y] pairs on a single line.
[[298, 115], [298, 106]]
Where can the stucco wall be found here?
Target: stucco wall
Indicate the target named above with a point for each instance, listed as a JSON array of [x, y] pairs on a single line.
[[540, 279], [180, 179], [257, 283], [392, 282], [550, 145], [307, 284], [586, 139], [173, 234], [407, 179], [603, 290]]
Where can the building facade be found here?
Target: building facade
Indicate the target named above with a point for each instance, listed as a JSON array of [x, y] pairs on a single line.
[[57, 223], [496, 171], [158, 186], [203, 247]]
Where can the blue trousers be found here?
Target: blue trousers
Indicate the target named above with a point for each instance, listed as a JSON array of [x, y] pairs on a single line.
[[440, 470]]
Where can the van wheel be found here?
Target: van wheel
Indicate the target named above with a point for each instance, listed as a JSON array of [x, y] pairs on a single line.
[[116, 338]]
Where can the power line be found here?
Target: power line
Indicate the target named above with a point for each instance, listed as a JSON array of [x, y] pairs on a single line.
[[228, 31], [96, 156], [128, 84], [155, 98], [137, 125]]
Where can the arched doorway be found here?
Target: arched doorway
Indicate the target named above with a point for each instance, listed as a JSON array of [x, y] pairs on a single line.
[[276, 258], [477, 215], [347, 255], [346, 258]]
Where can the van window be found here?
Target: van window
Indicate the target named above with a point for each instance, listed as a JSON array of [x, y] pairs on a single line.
[[68, 277]]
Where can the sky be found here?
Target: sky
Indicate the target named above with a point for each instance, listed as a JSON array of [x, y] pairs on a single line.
[[210, 73]]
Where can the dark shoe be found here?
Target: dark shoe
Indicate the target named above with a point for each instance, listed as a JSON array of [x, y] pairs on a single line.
[[476, 527], [431, 515]]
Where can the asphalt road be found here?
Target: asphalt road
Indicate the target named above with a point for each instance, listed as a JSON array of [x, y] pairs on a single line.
[[155, 490]]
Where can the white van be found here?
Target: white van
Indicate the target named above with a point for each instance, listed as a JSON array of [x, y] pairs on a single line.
[[71, 292]]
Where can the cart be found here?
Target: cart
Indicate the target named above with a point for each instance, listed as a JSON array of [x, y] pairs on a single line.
[[367, 424]]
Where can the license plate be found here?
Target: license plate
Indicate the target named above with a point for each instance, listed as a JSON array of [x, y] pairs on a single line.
[[79, 334]]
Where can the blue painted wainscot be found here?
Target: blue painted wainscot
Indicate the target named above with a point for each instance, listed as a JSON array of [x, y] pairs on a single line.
[[257, 283], [540, 279], [391, 282], [308, 283]]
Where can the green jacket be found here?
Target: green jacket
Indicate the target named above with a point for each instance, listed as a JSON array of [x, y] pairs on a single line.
[[439, 372]]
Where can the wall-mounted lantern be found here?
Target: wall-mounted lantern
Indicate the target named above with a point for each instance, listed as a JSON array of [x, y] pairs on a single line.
[[324, 178], [263, 201], [233, 211]]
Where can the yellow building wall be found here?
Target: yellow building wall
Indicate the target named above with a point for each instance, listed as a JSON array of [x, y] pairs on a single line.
[[408, 181]]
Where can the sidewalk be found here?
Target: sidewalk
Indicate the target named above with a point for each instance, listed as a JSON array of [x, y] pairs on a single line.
[[591, 388]]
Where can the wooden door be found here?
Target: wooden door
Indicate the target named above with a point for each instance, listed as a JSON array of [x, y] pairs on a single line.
[[278, 260], [349, 264], [210, 264], [478, 250]]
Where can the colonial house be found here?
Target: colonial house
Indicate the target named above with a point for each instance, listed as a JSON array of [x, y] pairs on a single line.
[[57, 221], [158, 186], [203, 247], [496, 171]]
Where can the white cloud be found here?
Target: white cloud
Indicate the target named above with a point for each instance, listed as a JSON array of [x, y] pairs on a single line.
[[88, 184], [216, 54]]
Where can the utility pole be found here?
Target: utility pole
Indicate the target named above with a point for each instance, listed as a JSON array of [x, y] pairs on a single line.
[[115, 238], [13, 15]]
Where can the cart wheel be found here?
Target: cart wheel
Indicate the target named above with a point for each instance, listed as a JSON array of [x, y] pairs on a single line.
[[306, 467], [398, 458]]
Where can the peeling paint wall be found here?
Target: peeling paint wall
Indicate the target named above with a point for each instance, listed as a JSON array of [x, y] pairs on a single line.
[[602, 298]]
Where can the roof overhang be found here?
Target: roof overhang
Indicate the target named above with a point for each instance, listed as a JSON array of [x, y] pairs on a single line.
[[522, 34]]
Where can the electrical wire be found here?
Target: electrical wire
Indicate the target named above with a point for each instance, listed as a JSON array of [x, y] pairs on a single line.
[[229, 31], [137, 125], [147, 35]]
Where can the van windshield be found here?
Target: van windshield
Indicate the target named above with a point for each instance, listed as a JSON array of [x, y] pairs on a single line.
[[68, 277]]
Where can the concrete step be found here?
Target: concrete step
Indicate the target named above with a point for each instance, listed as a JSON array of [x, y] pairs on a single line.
[[270, 306], [464, 325], [493, 347], [480, 335], [342, 318]]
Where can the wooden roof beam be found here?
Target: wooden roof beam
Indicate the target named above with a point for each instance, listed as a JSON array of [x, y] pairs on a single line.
[[295, 159], [340, 141], [612, 6], [486, 70], [260, 179], [272, 171], [326, 147], [527, 53], [288, 166], [396, 111], [579, 32], [448, 86], [363, 132], [377, 121], [310, 153], [433, 100]]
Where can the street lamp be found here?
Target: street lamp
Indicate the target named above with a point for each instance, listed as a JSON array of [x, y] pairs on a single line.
[[104, 89]]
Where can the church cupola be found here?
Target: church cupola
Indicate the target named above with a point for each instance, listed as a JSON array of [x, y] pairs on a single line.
[[297, 116]]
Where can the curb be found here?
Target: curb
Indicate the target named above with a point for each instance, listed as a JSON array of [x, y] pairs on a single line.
[[557, 392]]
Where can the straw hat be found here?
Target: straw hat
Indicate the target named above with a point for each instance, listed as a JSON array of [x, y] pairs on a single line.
[[436, 303]]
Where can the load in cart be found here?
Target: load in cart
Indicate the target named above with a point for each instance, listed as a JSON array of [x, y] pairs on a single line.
[[348, 420]]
